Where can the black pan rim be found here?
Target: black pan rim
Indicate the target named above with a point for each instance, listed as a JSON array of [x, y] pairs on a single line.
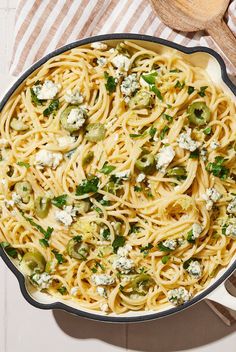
[[9, 263]]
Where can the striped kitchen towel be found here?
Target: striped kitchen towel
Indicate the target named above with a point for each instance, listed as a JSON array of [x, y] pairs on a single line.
[[42, 26]]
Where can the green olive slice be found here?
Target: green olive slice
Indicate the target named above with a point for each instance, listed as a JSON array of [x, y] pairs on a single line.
[[77, 249], [141, 283], [33, 262], [178, 172], [146, 163], [82, 206], [95, 132], [42, 205], [141, 100], [64, 116], [23, 189], [88, 158], [198, 113]]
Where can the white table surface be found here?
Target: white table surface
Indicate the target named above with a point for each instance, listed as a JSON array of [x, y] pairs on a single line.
[[24, 328]]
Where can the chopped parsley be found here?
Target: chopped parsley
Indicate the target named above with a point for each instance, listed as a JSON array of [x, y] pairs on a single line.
[[150, 78], [118, 242], [157, 92], [217, 168], [168, 117], [106, 234], [165, 259], [164, 131], [60, 201], [135, 135], [190, 238], [53, 106], [145, 250], [163, 248], [111, 83], [179, 85], [11, 251], [202, 91], [47, 233], [137, 189], [152, 131], [59, 257], [22, 163], [34, 98], [62, 290], [190, 90], [207, 131], [175, 70], [194, 154], [87, 186], [107, 169]]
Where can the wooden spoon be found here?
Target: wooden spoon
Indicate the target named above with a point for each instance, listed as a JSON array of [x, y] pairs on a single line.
[[194, 15]]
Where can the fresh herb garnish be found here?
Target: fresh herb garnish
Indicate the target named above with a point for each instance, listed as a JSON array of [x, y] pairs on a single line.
[[53, 106], [191, 90], [118, 242], [223, 229], [106, 234], [190, 238], [175, 70], [137, 189], [62, 290], [145, 250], [207, 131], [87, 186], [77, 239], [60, 201], [187, 262], [11, 251], [134, 229], [34, 98], [202, 91], [22, 163], [155, 90], [104, 202], [47, 233], [59, 257], [194, 154], [152, 131], [217, 168], [168, 117], [107, 169], [163, 248], [165, 259], [111, 83], [164, 131], [150, 78], [179, 85]]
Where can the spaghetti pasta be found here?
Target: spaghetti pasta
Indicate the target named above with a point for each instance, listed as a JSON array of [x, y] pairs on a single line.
[[118, 178]]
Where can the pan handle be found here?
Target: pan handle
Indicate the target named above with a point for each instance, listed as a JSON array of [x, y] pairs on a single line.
[[222, 296]]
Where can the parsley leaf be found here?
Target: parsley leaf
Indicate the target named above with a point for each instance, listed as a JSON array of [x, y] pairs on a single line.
[[145, 250], [60, 201], [152, 131], [190, 238], [217, 168], [53, 106], [111, 83], [165, 259], [190, 90], [106, 234], [163, 248], [34, 98], [137, 189], [59, 257], [22, 163], [202, 91], [150, 78], [168, 117], [11, 251], [163, 132], [87, 186], [207, 131], [118, 242], [157, 92], [194, 154], [47, 233], [62, 290], [179, 85], [107, 169]]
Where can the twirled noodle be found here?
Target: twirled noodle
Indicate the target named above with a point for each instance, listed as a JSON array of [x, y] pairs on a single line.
[[118, 178]]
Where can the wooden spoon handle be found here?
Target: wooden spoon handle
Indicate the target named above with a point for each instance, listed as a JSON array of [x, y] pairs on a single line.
[[223, 36]]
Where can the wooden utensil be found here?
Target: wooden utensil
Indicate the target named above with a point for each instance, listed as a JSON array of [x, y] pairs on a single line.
[[194, 15]]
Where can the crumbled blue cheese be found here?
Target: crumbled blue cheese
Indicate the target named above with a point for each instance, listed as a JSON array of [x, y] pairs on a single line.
[[42, 280], [74, 290], [73, 97], [214, 145], [66, 141], [121, 62], [129, 85], [231, 228], [165, 157], [102, 279], [104, 307], [194, 268], [99, 46], [47, 158], [203, 154], [124, 175], [140, 177], [46, 91], [186, 142], [196, 230], [178, 296], [16, 199], [231, 208], [211, 196], [171, 244], [102, 291], [66, 215], [124, 251], [101, 61], [3, 181], [76, 117], [123, 265]]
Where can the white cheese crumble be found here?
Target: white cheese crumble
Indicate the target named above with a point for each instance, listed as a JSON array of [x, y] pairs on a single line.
[[99, 46], [124, 251], [73, 97], [171, 244], [102, 279], [211, 196], [42, 280], [3, 181], [123, 265], [124, 175], [101, 61], [214, 145], [76, 117], [47, 158], [16, 198], [203, 154], [74, 290], [66, 215], [66, 141], [196, 230], [186, 142], [231, 208], [121, 62], [129, 85], [231, 230], [194, 269], [46, 91], [140, 177], [178, 296], [102, 291], [104, 307], [165, 157]]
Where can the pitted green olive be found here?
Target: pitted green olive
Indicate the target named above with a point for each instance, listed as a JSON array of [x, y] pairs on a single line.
[[198, 113], [95, 132], [141, 283], [18, 125], [82, 206], [72, 126], [42, 205], [141, 100], [23, 189], [146, 164], [178, 172], [77, 249], [33, 262]]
